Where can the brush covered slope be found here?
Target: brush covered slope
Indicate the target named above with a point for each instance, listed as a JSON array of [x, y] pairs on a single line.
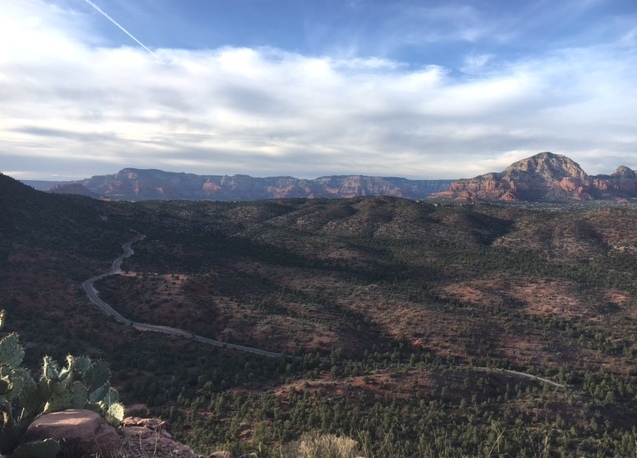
[[48, 245], [418, 329], [423, 330]]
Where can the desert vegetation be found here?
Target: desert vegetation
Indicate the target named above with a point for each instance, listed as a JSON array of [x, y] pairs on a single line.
[[80, 384], [412, 328]]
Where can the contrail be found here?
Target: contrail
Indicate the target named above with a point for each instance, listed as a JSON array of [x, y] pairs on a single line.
[[103, 13]]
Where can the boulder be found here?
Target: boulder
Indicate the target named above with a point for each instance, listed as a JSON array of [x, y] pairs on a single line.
[[81, 433], [151, 437]]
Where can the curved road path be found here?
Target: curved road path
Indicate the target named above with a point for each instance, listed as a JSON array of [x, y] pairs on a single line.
[[518, 373], [93, 296]]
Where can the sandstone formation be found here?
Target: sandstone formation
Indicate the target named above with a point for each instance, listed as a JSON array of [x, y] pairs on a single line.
[[136, 184], [79, 432], [543, 177]]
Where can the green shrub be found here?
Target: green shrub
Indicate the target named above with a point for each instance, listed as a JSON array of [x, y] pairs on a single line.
[[80, 384]]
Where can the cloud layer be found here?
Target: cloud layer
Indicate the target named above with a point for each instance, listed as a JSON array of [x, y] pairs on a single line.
[[70, 106]]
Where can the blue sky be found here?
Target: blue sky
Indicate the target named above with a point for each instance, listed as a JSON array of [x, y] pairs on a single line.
[[420, 89]]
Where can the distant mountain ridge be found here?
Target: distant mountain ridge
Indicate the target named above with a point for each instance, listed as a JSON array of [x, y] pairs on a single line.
[[544, 177], [141, 184]]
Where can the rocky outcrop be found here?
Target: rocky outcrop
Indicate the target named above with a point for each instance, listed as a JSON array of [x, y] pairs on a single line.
[[137, 184], [622, 182], [144, 437], [80, 433], [543, 177], [84, 433]]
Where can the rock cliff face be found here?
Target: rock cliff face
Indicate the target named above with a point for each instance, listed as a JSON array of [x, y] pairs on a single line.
[[136, 184], [544, 177]]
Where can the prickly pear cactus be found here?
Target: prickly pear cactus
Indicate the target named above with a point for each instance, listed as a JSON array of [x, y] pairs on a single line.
[[81, 364], [14, 380], [48, 448], [11, 352], [16, 392], [63, 396], [115, 413], [80, 384], [97, 375]]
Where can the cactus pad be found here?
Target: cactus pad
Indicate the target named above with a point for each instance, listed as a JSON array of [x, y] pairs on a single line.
[[11, 352]]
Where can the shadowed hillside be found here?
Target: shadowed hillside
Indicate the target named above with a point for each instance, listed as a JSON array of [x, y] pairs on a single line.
[[420, 329]]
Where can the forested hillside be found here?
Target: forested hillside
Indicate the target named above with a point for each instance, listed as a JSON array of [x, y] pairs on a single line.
[[415, 329]]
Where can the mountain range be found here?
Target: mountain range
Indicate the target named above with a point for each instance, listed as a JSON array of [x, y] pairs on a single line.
[[418, 329], [137, 184], [543, 177]]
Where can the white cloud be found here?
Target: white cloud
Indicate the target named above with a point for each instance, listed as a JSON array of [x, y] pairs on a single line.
[[265, 111], [475, 62]]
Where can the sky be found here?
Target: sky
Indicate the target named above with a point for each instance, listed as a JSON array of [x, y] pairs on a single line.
[[307, 88]]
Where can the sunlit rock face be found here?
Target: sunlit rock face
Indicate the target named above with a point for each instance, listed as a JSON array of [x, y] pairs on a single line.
[[544, 177]]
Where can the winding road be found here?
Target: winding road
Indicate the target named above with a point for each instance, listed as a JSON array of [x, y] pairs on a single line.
[[93, 295], [518, 373]]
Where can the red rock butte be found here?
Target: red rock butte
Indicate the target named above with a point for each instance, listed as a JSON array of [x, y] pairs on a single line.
[[544, 177]]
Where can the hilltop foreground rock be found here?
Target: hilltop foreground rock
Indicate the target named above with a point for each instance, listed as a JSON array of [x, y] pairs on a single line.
[[544, 177], [150, 437], [79, 432]]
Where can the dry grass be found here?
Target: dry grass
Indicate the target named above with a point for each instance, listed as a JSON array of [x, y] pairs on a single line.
[[314, 445]]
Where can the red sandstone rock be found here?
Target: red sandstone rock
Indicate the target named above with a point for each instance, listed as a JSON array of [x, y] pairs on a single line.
[[81, 433], [545, 176], [151, 437]]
